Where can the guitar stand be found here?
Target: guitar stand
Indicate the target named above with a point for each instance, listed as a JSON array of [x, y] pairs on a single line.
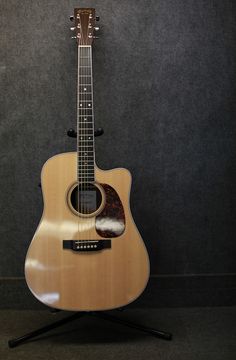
[[157, 333]]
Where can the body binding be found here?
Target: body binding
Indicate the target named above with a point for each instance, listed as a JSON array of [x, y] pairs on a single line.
[[86, 281]]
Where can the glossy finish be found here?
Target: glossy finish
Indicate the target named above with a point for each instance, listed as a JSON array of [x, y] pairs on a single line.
[[111, 221], [71, 280]]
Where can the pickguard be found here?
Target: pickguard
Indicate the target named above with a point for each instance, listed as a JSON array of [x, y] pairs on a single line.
[[111, 221]]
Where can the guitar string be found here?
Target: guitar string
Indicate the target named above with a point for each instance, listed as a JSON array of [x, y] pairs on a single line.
[[82, 134], [87, 136], [92, 136], [78, 114], [85, 54], [80, 186]]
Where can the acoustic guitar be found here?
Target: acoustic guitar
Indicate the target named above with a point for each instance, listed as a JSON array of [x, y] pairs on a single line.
[[87, 253]]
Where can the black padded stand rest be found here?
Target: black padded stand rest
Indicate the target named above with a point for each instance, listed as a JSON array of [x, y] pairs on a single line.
[[157, 333]]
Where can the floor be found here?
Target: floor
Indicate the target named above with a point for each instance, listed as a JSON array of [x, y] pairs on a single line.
[[198, 333]]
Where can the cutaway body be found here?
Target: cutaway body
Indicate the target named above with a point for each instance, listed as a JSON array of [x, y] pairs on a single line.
[[84, 280]]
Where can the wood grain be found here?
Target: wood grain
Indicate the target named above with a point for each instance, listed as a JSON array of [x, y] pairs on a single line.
[[68, 280]]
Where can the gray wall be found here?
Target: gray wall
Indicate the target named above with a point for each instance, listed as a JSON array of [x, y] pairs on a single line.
[[165, 94]]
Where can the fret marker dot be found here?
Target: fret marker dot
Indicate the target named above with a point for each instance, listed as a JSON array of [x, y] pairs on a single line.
[[80, 104], [85, 89], [89, 137], [85, 119], [89, 104]]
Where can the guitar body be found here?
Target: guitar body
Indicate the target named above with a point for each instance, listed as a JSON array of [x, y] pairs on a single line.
[[69, 279]]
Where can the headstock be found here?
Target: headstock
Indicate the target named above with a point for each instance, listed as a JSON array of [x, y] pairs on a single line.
[[84, 25]]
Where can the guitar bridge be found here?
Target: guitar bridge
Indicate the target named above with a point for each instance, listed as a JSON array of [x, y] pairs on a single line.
[[87, 245]]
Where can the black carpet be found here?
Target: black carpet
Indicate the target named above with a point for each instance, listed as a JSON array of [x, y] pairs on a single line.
[[198, 333]]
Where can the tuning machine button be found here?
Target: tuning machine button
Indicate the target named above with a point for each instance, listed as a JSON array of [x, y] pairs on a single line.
[[95, 37], [96, 28], [71, 17], [73, 37], [97, 18], [72, 28]]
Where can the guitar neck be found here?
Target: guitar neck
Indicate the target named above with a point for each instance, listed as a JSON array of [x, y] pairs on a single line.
[[85, 116]]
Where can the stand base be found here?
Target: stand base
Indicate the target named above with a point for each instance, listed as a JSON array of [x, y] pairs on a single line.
[[17, 341]]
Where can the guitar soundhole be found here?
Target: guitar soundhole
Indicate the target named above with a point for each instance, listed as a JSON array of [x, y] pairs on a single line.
[[87, 200]]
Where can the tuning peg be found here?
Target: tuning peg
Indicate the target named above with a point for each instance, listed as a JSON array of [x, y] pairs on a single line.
[[73, 37], [96, 28], [71, 17], [97, 18], [72, 28]]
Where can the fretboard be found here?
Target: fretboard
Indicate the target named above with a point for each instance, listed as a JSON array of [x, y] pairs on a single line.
[[85, 117]]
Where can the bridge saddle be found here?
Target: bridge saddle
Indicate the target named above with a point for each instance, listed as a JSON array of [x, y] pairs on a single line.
[[87, 245]]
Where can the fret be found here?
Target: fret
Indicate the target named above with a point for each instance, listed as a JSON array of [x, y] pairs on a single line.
[[81, 108], [85, 86], [88, 124], [85, 102], [87, 142], [84, 108], [87, 158], [85, 170], [86, 179], [84, 148], [85, 73], [89, 161], [86, 175], [85, 167], [86, 152], [85, 133], [87, 129], [81, 175], [84, 138], [83, 62]]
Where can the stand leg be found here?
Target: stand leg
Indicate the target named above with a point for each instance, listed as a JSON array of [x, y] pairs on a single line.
[[17, 341], [161, 334]]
